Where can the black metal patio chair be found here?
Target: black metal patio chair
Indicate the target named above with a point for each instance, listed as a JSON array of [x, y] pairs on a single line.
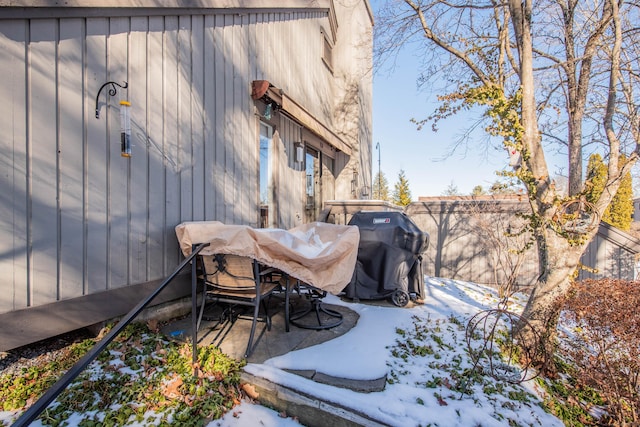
[[237, 282]]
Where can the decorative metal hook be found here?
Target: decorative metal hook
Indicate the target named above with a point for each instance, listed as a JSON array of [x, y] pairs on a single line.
[[112, 92]]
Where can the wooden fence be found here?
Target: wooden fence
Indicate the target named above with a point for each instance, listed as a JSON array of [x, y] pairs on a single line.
[[468, 239]]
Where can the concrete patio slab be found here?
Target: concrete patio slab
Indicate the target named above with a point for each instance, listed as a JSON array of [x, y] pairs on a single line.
[[232, 339]]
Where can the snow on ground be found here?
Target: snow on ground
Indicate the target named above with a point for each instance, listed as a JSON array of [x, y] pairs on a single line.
[[421, 350], [421, 388], [250, 414]]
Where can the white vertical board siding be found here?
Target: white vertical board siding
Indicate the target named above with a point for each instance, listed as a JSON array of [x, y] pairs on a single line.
[[210, 170], [77, 217], [239, 90], [42, 146], [184, 137], [219, 117], [152, 138], [231, 183], [248, 187], [96, 145], [171, 135], [253, 123], [139, 194], [119, 168], [14, 166], [70, 107], [197, 118]]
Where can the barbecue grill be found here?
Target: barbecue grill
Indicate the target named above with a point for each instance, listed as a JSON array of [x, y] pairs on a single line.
[[389, 262]]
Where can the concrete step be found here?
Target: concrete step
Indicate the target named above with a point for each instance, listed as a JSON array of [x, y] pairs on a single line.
[[309, 410]]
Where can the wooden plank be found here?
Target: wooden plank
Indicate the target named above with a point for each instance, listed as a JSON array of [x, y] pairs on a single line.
[[119, 192], [171, 135], [14, 209], [210, 143], [244, 175], [197, 117], [71, 157], [230, 184], [44, 173], [253, 51], [252, 215], [220, 119], [250, 136], [139, 161], [158, 162], [261, 73], [261, 43], [97, 156], [185, 148]]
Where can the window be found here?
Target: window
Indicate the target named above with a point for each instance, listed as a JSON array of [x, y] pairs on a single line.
[[327, 51], [267, 207], [312, 168], [313, 185]]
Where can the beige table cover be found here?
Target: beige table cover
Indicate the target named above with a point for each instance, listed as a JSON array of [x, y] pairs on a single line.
[[321, 254]]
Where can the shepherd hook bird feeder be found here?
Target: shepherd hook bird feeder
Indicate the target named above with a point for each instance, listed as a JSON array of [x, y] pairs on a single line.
[[125, 117], [125, 129]]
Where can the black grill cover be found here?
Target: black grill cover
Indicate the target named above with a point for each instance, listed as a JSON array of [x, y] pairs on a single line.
[[389, 256]]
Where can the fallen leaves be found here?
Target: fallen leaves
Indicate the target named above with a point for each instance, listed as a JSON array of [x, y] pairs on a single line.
[[153, 325], [171, 388], [250, 391], [159, 381]]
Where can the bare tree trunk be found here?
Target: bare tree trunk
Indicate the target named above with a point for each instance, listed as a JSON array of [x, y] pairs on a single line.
[[578, 75], [539, 187], [559, 261]]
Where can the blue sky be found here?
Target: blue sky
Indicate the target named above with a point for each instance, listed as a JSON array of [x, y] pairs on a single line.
[[423, 154]]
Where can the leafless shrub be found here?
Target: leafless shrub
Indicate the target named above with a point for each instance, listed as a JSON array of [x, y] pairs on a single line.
[[506, 240], [604, 344]]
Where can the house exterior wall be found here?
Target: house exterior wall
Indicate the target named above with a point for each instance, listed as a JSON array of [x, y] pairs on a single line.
[[354, 94], [77, 217]]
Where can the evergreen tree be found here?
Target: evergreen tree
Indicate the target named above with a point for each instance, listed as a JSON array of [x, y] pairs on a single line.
[[451, 190], [502, 187], [478, 191], [380, 187], [620, 210], [401, 192], [596, 177]]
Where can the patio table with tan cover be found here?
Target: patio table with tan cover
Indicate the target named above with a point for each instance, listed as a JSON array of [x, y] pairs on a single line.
[[320, 254]]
